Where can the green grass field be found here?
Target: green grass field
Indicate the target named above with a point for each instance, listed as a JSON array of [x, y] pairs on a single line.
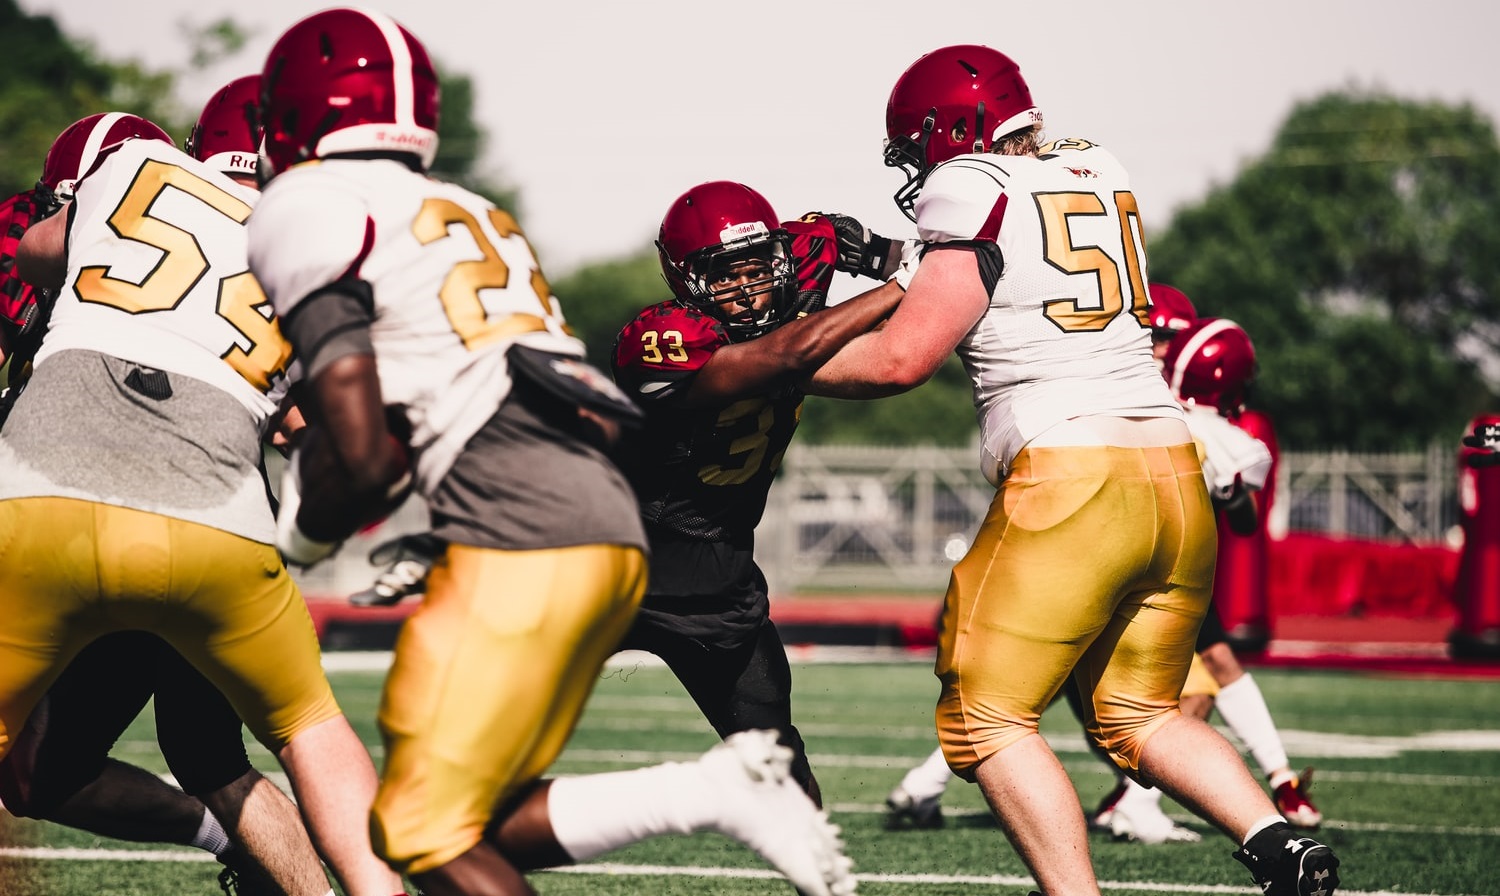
[[1408, 775]]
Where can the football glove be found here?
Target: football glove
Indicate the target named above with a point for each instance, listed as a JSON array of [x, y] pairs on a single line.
[[1486, 438], [296, 547], [861, 252]]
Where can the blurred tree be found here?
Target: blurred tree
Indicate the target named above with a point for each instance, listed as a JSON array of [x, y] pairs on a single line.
[[1362, 254], [461, 144], [598, 299], [51, 82]]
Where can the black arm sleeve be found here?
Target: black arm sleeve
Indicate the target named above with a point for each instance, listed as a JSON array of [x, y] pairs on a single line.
[[991, 262], [331, 323]]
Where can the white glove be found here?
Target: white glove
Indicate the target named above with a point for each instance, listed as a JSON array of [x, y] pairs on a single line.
[[296, 548]]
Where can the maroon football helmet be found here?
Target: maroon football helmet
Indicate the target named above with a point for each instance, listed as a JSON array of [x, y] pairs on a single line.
[[82, 144], [347, 80], [1171, 311], [712, 238], [227, 135], [952, 101], [1211, 362]]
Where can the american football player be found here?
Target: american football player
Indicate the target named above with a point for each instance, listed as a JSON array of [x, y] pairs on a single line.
[[1209, 374], [139, 438], [401, 291], [1210, 365], [60, 769], [24, 309], [718, 369], [1034, 272]]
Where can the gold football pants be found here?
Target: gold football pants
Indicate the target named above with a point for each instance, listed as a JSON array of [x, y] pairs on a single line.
[[72, 570], [1095, 562], [490, 676]]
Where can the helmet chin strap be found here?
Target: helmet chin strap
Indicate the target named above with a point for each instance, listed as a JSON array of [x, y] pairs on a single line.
[[979, 128]]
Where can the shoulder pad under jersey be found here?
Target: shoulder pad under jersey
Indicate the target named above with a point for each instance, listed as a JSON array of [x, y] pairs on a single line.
[[657, 353]]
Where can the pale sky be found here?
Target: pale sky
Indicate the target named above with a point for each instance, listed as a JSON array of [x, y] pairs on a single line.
[[603, 112]]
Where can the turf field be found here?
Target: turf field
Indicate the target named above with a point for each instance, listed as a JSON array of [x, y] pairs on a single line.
[[1408, 774]]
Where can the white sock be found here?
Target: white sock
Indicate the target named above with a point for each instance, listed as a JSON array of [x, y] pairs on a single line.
[[594, 814], [930, 778], [1261, 826], [1244, 710], [1137, 794], [211, 835]]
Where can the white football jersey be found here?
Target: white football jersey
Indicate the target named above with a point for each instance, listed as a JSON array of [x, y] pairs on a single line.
[[157, 274], [454, 283], [1229, 454], [1066, 333]]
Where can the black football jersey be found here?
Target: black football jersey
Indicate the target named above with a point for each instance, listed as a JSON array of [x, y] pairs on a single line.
[[699, 472]]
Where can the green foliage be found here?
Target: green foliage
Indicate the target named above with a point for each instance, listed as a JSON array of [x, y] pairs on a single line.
[[461, 143], [52, 81], [599, 299], [1362, 255]]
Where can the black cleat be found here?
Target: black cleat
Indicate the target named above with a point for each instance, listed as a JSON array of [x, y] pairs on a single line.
[[1284, 864]]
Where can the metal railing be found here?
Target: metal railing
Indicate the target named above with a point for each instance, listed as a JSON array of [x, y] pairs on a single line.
[[896, 518]]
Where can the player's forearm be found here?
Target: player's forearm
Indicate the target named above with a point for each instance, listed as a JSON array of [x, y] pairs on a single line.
[[812, 341], [867, 368]]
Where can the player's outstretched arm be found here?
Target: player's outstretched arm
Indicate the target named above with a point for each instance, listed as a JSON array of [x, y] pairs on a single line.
[[791, 351]]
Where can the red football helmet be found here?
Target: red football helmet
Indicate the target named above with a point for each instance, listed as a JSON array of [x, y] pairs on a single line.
[[1171, 310], [952, 101], [227, 135], [1211, 362], [347, 80], [722, 247], [82, 144]]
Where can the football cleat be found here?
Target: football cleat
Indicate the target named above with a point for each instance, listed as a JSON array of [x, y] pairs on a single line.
[[409, 559], [1293, 804], [762, 807], [1284, 864], [1104, 814], [903, 809], [1141, 822]]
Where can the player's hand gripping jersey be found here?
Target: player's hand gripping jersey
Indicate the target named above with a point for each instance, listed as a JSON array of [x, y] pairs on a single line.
[[706, 472], [157, 309], [450, 284], [1060, 247]]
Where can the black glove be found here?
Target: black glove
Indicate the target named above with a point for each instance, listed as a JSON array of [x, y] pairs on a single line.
[[1240, 512], [860, 251], [1486, 437]]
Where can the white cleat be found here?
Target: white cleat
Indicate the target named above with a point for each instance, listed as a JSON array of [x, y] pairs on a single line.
[[1146, 823], [763, 808]]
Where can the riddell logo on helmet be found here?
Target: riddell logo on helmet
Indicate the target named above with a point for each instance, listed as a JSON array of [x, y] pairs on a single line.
[[735, 231], [396, 139]]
